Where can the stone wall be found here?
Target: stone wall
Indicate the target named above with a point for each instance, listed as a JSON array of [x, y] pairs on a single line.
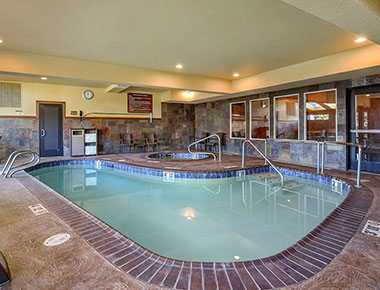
[[176, 128], [213, 117], [18, 133], [181, 122]]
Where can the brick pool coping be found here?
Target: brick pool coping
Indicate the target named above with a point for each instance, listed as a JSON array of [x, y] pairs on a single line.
[[297, 263]]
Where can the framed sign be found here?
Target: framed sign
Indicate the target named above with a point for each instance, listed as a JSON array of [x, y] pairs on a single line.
[[140, 103]]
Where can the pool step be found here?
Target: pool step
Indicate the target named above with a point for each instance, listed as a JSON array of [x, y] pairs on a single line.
[[273, 179]]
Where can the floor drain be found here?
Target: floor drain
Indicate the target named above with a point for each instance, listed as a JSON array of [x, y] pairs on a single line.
[[56, 240]]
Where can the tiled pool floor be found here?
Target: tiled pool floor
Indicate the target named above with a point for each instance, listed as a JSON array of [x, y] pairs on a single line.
[[76, 265]]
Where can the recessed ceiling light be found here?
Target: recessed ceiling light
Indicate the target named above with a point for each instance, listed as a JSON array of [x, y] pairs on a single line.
[[236, 75], [1, 41], [44, 78], [360, 39], [367, 95], [179, 66]]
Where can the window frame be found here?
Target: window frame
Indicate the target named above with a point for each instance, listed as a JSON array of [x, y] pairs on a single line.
[[275, 119], [250, 116], [245, 119], [305, 111]]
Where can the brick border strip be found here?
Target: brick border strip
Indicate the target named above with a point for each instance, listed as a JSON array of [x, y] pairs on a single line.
[[297, 263]]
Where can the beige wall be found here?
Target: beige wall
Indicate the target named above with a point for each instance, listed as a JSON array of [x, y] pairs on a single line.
[[351, 60], [72, 95]]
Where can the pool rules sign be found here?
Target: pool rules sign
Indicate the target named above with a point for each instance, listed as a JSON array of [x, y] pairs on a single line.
[[140, 103]]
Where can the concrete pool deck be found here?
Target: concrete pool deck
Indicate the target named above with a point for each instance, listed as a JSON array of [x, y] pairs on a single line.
[[76, 265]]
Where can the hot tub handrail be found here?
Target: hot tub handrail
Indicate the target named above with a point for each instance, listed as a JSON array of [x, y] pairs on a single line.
[[262, 155], [150, 115], [346, 144], [208, 153]]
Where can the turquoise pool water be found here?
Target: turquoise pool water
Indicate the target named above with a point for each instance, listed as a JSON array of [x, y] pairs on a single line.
[[219, 220], [178, 156]]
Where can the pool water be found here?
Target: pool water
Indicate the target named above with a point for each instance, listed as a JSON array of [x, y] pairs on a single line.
[[213, 220], [178, 156]]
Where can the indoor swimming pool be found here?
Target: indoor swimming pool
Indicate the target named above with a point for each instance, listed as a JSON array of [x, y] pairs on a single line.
[[237, 218]]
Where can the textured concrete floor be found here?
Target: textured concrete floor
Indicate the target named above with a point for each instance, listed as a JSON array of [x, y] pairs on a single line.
[[72, 265], [75, 265]]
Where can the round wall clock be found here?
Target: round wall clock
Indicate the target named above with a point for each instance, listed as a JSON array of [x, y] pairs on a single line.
[[88, 94]]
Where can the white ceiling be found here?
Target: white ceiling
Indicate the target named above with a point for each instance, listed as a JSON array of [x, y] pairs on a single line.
[[359, 16], [209, 37]]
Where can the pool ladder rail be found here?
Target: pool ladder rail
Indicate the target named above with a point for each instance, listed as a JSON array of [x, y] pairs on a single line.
[[262, 155], [8, 169], [208, 153]]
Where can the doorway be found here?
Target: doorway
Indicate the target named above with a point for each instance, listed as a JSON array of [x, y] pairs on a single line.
[[50, 129], [365, 127]]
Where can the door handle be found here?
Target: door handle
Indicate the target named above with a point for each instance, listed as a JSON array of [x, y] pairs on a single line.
[[43, 132]]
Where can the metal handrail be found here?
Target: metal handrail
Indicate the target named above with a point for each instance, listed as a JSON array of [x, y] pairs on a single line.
[[208, 153], [265, 146], [347, 144], [12, 158], [150, 115], [294, 141], [262, 155], [19, 168]]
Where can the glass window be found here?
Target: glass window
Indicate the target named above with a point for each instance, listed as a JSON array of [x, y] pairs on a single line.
[[237, 120], [368, 118], [259, 116], [286, 117], [320, 115]]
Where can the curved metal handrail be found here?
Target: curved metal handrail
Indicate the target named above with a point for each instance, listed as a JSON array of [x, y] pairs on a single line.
[[22, 166], [208, 153], [11, 158], [262, 155], [346, 144], [18, 168], [150, 115], [291, 141]]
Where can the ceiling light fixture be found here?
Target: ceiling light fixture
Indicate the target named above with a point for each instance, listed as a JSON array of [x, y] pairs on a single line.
[[236, 75], [44, 78], [360, 39], [1, 41], [188, 94], [179, 66]]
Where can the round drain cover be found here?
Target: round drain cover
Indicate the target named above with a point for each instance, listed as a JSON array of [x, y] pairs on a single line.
[[56, 240]]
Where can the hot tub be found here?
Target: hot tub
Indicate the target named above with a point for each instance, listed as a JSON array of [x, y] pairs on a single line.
[[171, 156]]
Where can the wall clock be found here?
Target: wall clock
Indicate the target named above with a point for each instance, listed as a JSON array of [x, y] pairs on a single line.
[[88, 94]]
